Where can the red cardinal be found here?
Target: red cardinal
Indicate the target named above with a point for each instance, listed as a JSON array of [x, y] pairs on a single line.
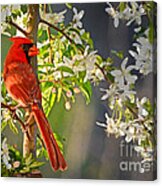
[[22, 85]]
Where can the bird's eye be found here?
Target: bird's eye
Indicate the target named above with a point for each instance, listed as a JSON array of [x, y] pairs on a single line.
[[26, 47]]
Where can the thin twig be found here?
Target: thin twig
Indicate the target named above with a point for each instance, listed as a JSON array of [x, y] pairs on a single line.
[[52, 81], [63, 33], [136, 116], [18, 27], [103, 72], [42, 142], [57, 29]]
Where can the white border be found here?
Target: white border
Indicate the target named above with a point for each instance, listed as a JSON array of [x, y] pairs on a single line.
[[61, 182]]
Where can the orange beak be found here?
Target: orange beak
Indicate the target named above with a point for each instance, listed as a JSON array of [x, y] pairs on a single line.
[[33, 51]]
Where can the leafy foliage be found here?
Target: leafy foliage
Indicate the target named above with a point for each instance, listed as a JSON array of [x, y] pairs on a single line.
[[18, 164]]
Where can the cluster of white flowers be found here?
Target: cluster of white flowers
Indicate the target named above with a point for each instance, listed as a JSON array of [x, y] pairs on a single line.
[[120, 91], [116, 95], [113, 127], [131, 13], [82, 62], [6, 10], [53, 18], [78, 25], [5, 154], [133, 130], [143, 55]]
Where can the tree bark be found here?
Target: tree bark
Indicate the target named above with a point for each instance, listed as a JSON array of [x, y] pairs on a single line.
[[29, 144]]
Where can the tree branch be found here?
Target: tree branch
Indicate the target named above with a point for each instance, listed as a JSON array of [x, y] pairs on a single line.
[[18, 27], [136, 116], [103, 72], [57, 29]]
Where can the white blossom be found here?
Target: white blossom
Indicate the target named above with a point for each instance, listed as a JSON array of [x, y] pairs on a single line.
[[113, 127], [142, 112], [126, 92], [115, 14], [5, 12], [124, 75], [131, 13], [82, 31], [137, 12], [146, 152], [5, 154], [108, 92], [130, 134], [138, 29], [15, 7], [134, 130], [99, 74], [76, 37], [143, 54], [116, 95], [56, 18], [77, 18], [85, 62]]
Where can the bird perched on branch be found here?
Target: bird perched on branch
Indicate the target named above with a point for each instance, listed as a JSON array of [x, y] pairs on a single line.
[[22, 85]]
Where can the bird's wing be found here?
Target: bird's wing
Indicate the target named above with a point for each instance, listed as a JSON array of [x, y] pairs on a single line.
[[22, 84]]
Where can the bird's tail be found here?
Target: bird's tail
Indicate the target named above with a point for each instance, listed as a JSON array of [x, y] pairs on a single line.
[[55, 156]]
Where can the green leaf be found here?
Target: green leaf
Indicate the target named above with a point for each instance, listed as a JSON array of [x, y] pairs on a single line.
[[80, 47], [82, 75], [86, 37], [49, 100], [86, 89], [59, 93], [119, 54], [3, 125], [42, 35], [11, 31], [3, 89], [75, 30], [29, 159], [69, 5], [46, 85], [36, 164], [24, 8], [65, 69], [16, 13], [58, 139], [45, 65], [110, 77], [122, 6], [14, 153], [13, 127], [25, 170]]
